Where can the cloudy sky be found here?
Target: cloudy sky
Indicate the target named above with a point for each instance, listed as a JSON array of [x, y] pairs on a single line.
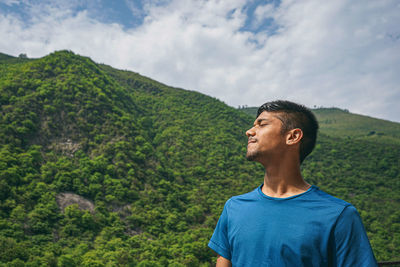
[[320, 53]]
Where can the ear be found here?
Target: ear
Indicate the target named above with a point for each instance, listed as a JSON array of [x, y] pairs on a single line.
[[294, 136]]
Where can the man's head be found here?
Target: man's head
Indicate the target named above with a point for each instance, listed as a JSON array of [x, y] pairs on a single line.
[[292, 117]]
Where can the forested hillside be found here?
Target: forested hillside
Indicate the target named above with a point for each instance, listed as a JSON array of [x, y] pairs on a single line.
[[100, 167]]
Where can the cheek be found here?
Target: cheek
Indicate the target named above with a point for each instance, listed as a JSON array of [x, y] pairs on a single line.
[[269, 140]]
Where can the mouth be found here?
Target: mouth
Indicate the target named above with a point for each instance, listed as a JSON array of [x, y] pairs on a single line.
[[251, 141]]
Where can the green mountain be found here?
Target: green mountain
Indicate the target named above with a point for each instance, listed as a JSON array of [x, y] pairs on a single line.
[[100, 167], [10, 59], [340, 123], [5, 57]]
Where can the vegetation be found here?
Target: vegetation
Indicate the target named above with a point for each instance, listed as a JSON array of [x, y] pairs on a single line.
[[146, 168]]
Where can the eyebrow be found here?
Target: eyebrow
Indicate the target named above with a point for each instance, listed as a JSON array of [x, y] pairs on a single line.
[[261, 120]]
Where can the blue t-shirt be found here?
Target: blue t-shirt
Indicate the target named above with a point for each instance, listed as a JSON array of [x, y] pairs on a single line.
[[309, 229]]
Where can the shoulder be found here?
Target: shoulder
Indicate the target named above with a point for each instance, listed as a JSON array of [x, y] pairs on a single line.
[[328, 199], [327, 206], [252, 195], [242, 200]]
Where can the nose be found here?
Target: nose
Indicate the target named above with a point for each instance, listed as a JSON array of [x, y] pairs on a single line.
[[250, 132]]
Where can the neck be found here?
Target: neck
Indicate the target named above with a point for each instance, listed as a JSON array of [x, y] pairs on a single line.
[[283, 179]]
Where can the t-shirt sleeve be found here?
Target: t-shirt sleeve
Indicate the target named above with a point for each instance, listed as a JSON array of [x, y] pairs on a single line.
[[219, 241], [352, 244]]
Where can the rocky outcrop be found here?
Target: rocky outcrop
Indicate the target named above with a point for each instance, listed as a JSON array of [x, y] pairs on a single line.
[[66, 199]]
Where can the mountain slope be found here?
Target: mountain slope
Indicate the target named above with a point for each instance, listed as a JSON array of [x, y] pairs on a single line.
[[359, 126], [146, 167], [5, 57]]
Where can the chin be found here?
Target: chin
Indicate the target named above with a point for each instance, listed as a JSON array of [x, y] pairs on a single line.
[[251, 156]]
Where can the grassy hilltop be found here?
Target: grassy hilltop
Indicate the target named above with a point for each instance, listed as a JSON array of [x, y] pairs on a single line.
[[100, 167]]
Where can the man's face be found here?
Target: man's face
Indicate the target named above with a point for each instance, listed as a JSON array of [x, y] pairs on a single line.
[[265, 137]]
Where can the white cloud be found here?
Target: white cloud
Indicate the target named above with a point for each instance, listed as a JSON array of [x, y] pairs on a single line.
[[10, 2], [337, 53]]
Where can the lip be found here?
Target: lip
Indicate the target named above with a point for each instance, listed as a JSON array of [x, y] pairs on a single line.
[[251, 141]]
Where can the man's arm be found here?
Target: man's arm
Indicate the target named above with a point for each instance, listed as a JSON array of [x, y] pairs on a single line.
[[219, 241], [352, 244], [222, 262]]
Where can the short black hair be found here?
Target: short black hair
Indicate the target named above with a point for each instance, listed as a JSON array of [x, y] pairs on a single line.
[[293, 116]]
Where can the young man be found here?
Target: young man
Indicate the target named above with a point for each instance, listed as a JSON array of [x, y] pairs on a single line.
[[286, 221]]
